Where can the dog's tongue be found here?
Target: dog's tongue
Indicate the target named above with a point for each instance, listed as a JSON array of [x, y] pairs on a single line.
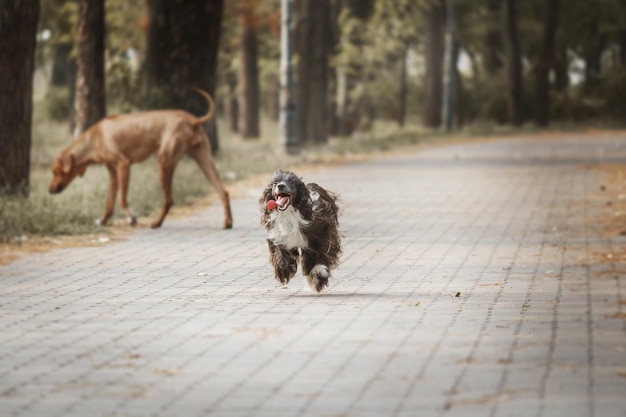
[[282, 201]]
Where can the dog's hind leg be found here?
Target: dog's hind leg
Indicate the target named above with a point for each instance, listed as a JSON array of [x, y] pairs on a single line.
[[285, 262], [202, 155], [315, 272]]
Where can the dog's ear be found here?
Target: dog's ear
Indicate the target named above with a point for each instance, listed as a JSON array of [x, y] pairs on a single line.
[[67, 163]]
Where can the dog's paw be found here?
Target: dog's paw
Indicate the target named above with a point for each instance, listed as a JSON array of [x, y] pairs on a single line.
[[318, 277], [100, 222], [132, 220]]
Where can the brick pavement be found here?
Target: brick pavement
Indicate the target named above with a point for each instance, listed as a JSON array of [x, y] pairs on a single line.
[[472, 284]]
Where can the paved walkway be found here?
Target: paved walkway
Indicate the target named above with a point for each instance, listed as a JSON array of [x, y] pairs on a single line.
[[477, 280]]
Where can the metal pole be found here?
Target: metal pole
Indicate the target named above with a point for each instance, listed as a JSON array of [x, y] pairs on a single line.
[[448, 84], [287, 118]]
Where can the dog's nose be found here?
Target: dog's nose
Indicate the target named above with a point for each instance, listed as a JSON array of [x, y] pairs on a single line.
[[281, 186]]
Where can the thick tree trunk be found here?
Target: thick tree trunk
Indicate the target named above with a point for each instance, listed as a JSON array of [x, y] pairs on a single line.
[[89, 103], [515, 80], [318, 99], [183, 41], [248, 73], [434, 62], [544, 63], [18, 29]]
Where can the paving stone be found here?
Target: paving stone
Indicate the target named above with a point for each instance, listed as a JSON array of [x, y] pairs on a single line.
[[474, 282]]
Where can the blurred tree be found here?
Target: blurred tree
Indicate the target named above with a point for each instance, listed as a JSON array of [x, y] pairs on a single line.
[[433, 45], [18, 30], [248, 70], [313, 47], [514, 53], [90, 104], [351, 75], [183, 41], [543, 64], [493, 38]]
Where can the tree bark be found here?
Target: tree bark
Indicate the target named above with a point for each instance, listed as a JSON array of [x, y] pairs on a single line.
[[318, 99], [493, 55], [248, 72], [183, 41], [18, 29], [434, 62], [515, 80], [544, 63], [89, 103]]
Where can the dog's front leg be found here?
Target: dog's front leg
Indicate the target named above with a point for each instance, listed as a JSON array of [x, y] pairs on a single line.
[[285, 262], [166, 175], [110, 203], [123, 175]]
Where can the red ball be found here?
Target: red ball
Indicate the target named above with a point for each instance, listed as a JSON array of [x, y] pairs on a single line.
[[272, 204]]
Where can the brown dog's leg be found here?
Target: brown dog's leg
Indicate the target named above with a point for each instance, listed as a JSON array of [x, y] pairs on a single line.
[[110, 203], [123, 175], [166, 174], [202, 156]]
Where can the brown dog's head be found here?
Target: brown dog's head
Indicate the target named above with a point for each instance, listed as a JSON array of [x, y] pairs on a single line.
[[64, 170]]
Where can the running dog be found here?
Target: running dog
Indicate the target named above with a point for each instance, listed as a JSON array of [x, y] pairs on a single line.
[[302, 224]]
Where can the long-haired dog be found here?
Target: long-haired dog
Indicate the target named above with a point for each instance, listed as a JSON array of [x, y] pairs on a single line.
[[302, 225]]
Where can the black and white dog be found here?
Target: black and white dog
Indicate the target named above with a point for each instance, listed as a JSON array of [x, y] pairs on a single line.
[[302, 224]]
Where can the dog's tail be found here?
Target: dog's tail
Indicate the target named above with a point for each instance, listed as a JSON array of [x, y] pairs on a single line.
[[209, 115]]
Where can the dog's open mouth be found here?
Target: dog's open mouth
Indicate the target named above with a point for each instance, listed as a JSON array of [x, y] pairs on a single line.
[[283, 200]]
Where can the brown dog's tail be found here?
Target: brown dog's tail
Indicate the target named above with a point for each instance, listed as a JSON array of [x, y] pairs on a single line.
[[209, 100]]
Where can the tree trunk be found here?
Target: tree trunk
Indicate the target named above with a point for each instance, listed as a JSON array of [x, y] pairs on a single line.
[[622, 47], [544, 63], [361, 9], [302, 43], [89, 103], [434, 60], [183, 41], [18, 29], [493, 55], [319, 55], [248, 72], [593, 57], [515, 80], [232, 104], [402, 88], [347, 114]]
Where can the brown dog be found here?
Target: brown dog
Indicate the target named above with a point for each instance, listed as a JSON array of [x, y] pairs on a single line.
[[119, 141]]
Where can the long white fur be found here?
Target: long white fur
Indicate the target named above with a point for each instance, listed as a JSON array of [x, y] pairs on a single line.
[[285, 231]]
